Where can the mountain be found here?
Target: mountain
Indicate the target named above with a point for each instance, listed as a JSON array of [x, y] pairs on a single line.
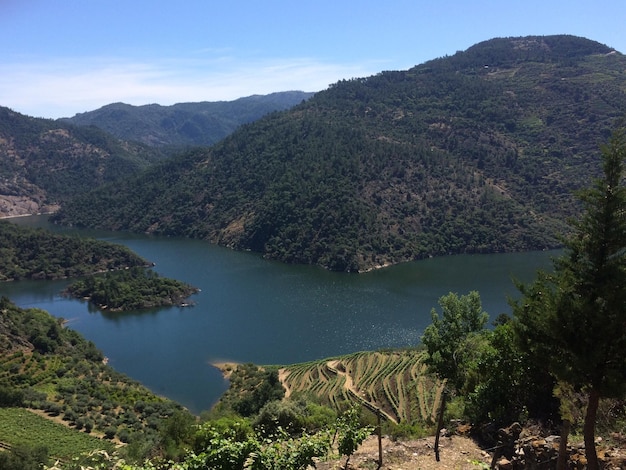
[[472, 153], [43, 162], [185, 124]]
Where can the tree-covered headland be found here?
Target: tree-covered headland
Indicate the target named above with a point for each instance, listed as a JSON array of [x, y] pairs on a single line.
[[27, 253], [131, 289]]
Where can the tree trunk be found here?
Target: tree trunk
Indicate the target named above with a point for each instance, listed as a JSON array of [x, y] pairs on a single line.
[[442, 409], [561, 463], [589, 430], [380, 440]]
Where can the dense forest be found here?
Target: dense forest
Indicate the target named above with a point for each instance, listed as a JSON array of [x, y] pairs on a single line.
[[131, 289], [184, 124], [476, 152], [27, 253]]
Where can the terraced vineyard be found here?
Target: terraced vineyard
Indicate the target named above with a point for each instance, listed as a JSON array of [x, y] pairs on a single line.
[[396, 383]]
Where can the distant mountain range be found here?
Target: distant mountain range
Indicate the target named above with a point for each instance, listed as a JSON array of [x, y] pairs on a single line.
[[476, 152], [185, 124], [43, 162]]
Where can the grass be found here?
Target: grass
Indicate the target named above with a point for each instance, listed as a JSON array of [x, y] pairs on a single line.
[[20, 426]]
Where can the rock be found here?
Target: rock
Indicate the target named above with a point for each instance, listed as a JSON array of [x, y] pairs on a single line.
[[504, 464]]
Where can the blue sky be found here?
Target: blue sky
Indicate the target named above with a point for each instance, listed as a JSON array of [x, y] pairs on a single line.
[[62, 57]]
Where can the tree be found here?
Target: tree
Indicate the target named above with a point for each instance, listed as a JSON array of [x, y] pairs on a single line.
[[573, 320], [351, 433], [450, 339], [24, 457]]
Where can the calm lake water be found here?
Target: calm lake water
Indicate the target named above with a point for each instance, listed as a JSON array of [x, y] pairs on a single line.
[[254, 310]]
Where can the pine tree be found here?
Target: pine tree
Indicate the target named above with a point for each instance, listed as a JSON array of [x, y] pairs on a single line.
[[574, 319]]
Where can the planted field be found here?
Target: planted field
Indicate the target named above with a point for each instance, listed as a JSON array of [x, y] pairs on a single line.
[[20, 426], [396, 383]]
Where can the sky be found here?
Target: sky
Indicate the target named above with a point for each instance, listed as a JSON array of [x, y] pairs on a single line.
[[62, 57]]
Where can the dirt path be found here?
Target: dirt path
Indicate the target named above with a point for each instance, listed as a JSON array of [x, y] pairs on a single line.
[[349, 386], [282, 376]]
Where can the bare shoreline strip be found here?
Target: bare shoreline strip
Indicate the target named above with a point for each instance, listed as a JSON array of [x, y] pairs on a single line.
[[226, 368]]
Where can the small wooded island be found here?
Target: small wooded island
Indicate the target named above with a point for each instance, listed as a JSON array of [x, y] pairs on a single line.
[[131, 289]]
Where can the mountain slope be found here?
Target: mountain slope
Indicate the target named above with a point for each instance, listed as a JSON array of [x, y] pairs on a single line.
[[43, 162], [185, 124], [478, 152]]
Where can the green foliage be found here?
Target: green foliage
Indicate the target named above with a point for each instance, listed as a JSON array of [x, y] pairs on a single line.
[[284, 452], [406, 430], [350, 433], [447, 157], [27, 253], [451, 340], [176, 434], [24, 457], [251, 388], [495, 381], [132, 289], [235, 428], [231, 445], [10, 397], [222, 452], [278, 414], [509, 385]]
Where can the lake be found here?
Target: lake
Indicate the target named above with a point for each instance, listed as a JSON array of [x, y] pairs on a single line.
[[253, 310]]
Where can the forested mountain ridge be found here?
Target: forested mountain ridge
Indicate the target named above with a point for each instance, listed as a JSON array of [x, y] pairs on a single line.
[[185, 124], [477, 152], [44, 162]]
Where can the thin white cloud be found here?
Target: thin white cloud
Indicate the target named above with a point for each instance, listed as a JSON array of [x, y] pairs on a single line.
[[65, 87]]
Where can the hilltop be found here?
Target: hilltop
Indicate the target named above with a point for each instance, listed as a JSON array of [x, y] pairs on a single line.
[[471, 153]]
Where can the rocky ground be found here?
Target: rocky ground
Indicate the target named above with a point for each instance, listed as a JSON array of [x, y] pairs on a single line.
[[460, 452], [455, 452]]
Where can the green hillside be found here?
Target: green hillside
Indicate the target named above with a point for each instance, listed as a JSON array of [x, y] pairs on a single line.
[[47, 367], [43, 162], [27, 253], [185, 124], [477, 152]]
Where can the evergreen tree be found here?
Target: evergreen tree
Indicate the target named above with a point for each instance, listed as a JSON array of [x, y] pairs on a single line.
[[573, 319]]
